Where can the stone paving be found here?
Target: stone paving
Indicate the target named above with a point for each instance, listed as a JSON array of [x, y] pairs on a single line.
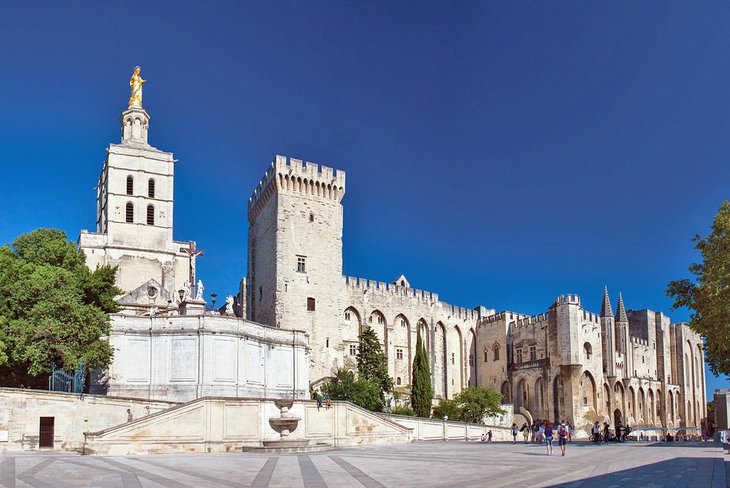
[[426, 464]]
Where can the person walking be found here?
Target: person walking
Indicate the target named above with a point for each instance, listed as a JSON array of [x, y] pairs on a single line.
[[489, 436], [563, 437], [549, 438], [525, 432], [130, 417], [605, 432], [514, 433]]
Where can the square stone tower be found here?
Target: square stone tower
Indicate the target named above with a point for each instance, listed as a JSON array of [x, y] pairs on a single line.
[[134, 206], [295, 256]]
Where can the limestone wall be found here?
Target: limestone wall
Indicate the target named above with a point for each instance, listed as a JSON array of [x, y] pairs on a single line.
[[21, 410], [229, 424], [181, 358], [434, 429]]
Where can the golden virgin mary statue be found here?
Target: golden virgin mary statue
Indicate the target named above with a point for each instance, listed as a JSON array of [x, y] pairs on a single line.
[[135, 85]]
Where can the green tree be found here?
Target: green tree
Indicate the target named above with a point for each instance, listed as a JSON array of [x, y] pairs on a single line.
[[421, 390], [372, 364], [53, 309], [477, 402], [708, 296], [344, 386], [447, 408]]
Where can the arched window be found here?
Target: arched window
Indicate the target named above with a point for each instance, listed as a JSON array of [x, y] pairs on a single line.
[[130, 212], [495, 350], [151, 188], [150, 215], [588, 350], [130, 185]]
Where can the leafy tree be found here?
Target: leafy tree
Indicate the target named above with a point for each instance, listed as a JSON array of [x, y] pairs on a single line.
[[477, 402], [344, 386], [447, 408], [421, 390], [708, 296], [372, 364], [53, 309], [471, 405]]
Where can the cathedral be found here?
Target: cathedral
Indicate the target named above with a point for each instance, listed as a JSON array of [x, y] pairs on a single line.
[[632, 367]]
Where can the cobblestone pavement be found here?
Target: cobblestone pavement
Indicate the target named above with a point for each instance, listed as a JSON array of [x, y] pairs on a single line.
[[426, 464]]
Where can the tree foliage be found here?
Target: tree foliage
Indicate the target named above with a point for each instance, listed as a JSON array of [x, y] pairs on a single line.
[[421, 390], [471, 405], [53, 309], [372, 364], [344, 386], [708, 296]]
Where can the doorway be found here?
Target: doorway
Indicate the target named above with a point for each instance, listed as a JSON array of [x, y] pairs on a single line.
[[45, 439], [618, 419]]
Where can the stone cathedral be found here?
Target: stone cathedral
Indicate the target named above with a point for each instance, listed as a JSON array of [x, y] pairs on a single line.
[[633, 366]]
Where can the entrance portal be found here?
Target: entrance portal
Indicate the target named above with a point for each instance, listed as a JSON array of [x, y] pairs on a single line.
[[45, 439], [618, 419]]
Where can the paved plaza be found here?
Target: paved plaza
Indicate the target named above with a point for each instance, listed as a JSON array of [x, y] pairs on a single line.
[[426, 464]]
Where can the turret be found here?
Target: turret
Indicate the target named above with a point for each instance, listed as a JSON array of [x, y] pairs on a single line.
[[622, 333], [607, 335]]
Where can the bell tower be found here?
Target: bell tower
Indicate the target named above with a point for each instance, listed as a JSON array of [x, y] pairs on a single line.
[[134, 214]]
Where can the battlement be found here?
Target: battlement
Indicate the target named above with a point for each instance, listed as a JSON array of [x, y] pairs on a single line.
[[639, 341], [568, 298], [497, 317], [532, 320], [291, 175], [383, 288], [591, 317]]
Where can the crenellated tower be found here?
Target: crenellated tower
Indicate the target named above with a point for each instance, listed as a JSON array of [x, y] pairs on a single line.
[[295, 256]]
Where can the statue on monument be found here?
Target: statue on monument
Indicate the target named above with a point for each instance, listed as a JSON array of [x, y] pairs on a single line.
[[135, 85], [199, 295], [229, 305], [187, 293]]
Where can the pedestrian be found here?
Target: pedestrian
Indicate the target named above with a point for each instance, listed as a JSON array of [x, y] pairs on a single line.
[[489, 436], [549, 438], [596, 432], [563, 437], [146, 410], [704, 434], [605, 432], [484, 437], [130, 417], [514, 433], [525, 432]]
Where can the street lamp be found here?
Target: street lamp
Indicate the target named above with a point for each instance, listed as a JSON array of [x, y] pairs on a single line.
[[213, 296]]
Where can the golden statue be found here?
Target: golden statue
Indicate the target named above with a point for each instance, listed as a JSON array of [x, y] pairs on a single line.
[[135, 85]]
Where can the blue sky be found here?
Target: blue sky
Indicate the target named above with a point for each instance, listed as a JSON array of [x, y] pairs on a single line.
[[498, 153]]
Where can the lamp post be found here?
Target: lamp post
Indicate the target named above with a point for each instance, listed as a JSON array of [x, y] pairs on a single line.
[[213, 296]]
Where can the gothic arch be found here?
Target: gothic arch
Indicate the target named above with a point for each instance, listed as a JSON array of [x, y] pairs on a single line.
[[456, 362], [670, 410], [472, 358], [352, 317], [607, 399], [641, 408], [536, 406], [619, 398], [376, 320], [402, 340], [588, 390], [506, 392], [522, 395], [422, 327], [631, 404], [651, 417]]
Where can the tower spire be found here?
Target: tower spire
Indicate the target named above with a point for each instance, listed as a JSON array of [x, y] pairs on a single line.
[[621, 312], [606, 310]]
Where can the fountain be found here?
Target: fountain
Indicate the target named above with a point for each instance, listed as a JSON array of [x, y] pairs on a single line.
[[285, 424]]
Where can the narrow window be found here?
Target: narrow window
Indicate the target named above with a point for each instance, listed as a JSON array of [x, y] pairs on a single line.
[[326, 342], [150, 215], [533, 354], [496, 353], [151, 188], [402, 322], [399, 353], [311, 217], [353, 350], [453, 358], [347, 315], [471, 360], [519, 355], [301, 264], [486, 356], [130, 212], [311, 305], [130, 185], [380, 319], [397, 381]]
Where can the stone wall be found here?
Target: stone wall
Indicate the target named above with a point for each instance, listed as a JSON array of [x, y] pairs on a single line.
[[21, 410], [180, 358]]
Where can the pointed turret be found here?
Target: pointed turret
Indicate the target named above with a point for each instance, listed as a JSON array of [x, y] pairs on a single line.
[[621, 312], [606, 310]]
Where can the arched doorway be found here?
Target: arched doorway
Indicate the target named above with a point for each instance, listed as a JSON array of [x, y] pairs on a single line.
[[618, 419], [506, 392]]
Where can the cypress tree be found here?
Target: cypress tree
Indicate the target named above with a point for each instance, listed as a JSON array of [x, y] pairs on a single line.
[[421, 390], [372, 364]]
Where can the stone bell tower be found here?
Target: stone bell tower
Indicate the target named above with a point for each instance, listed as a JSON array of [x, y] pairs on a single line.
[[134, 210]]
